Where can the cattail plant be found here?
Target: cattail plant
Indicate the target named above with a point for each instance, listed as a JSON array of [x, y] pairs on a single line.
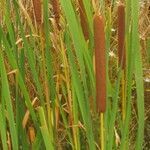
[[56, 11], [47, 100], [121, 52], [100, 62], [121, 35], [83, 20], [37, 11]]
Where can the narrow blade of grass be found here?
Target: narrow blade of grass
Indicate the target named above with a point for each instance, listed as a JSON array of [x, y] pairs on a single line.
[[138, 74], [3, 129], [45, 131], [7, 97]]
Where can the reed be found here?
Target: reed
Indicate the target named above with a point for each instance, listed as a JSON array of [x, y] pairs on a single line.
[[100, 62], [83, 20], [121, 53], [62, 82]]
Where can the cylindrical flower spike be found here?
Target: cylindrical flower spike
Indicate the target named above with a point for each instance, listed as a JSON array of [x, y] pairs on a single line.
[[121, 36], [100, 62], [56, 10], [37, 11], [83, 20]]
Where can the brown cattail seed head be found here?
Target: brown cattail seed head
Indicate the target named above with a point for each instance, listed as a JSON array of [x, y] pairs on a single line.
[[83, 20], [37, 11], [56, 11], [121, 35], [100, 62]]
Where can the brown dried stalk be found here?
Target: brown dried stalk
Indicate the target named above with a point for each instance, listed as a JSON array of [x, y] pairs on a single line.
[[121, 36], [83, 19], [56, 10], [100, 62], [31, 134], [37, 11]]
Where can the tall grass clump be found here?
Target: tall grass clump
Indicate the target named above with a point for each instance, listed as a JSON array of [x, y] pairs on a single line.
[[73, 76]]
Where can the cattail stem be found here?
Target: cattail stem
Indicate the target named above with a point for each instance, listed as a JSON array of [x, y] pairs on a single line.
[[121, 36], [123, 84], [37, 11], [56, 11], [102, 131], [83, 20], [100, 62]]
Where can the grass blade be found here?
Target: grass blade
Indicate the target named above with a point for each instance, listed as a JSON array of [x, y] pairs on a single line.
[[8, 102]]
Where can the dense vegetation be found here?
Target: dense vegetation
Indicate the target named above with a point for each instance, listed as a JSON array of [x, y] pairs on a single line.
[[74, 74]]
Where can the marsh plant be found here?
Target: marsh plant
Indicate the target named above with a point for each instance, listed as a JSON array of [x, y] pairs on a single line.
[[74, 74]]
